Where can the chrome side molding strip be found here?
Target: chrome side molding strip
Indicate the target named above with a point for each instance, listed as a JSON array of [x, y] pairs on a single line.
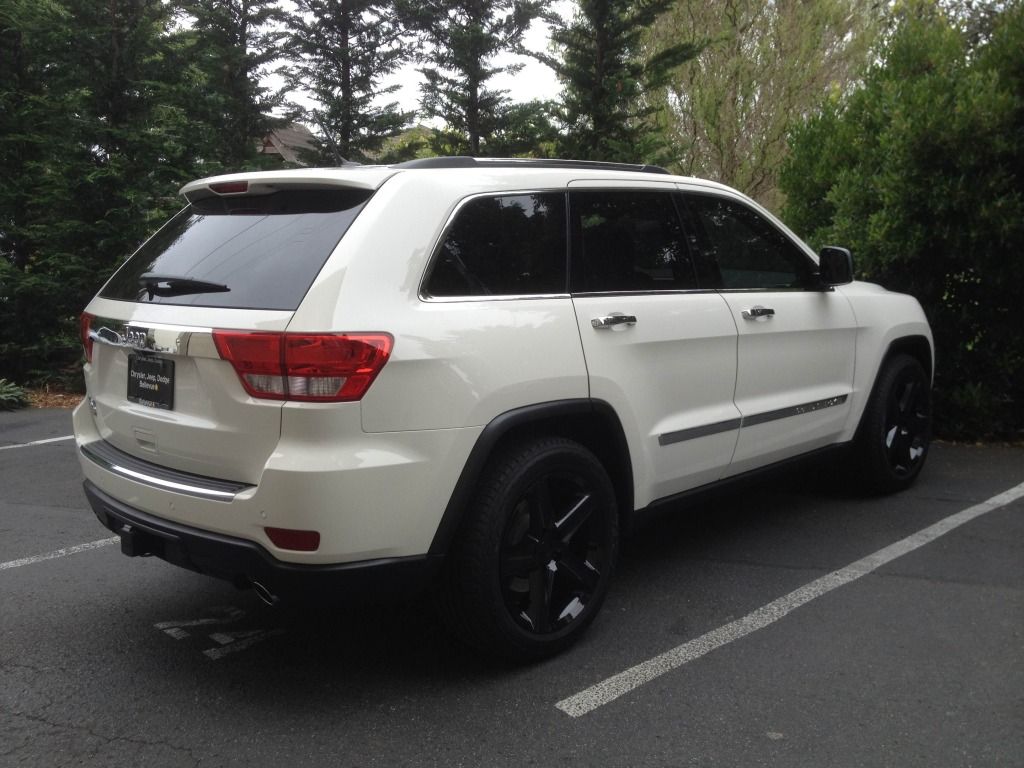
[[749, 421]]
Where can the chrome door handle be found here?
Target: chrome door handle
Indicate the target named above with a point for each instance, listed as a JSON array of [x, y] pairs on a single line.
[[755, 312], [612, 320]]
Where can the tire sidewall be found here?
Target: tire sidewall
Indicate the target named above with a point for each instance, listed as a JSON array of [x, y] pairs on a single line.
[[496, 504], [874, 466]]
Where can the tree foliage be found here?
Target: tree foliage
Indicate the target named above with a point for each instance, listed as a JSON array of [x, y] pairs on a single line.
[[235, 42], [92, 144], [726, 115], [344, 50], [460, 42], [605, 106], [97, 137], [919, 172]]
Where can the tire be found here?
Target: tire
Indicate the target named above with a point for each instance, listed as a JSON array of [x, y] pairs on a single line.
[[895, 431], [534, 557]]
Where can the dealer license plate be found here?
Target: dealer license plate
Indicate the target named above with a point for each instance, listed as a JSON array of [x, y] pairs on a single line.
[[151, 381]]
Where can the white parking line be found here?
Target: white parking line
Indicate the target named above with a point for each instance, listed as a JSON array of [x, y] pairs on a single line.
[[612, 688], [59, 553], [37, 442]]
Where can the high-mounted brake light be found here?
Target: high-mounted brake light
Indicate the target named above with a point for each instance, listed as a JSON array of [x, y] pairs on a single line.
[[311, 367], [230, 187], [84, 326]]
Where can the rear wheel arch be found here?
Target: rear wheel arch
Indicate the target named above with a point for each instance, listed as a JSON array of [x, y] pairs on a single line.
[[591, 423]]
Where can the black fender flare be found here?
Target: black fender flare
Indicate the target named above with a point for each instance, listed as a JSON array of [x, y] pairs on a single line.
[[517, 419]]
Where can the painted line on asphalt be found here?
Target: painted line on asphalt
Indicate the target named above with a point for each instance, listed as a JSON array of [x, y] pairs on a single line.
[[37, 442], [629, 680], [59, 553]]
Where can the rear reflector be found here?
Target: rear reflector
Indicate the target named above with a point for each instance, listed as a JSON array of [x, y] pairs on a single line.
[[311, 367], [288, 538], [84, 326]]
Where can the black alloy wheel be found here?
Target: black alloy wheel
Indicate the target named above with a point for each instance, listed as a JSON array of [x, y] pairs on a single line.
[[534, 558], [907, 422], [892, 443], [553, 553]]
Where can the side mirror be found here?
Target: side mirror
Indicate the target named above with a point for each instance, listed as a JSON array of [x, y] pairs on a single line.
[[835, 266]]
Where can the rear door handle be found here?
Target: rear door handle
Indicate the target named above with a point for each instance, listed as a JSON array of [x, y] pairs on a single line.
[[755, 312], [610, 321]]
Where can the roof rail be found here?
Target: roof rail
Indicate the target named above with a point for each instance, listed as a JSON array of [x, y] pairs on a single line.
[[465, 161]]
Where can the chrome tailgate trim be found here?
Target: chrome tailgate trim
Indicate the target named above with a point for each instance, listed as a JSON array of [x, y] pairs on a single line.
[[104, 455]]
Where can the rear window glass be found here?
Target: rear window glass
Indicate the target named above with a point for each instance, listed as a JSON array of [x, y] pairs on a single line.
[[509, 245], [255, 252]]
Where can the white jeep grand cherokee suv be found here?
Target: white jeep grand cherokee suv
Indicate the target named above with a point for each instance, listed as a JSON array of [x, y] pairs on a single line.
[[467, 374]]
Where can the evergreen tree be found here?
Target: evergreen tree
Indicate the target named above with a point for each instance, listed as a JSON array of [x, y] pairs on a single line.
[[345, 48], [235, 41], [461, 40], [94, 143], [605, 80]]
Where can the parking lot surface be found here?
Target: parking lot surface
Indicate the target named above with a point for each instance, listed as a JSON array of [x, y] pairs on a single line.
[[727, 639]]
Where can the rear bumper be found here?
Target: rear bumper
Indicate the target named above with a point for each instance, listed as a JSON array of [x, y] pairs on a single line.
[[245, 562]]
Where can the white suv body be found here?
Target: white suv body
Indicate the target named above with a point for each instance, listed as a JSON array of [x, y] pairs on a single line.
[[672, 374]]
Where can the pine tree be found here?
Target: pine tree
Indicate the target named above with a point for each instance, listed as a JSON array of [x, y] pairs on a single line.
[[461, 40], [92, 151], [346, 47], [605, 81], [235, 41]]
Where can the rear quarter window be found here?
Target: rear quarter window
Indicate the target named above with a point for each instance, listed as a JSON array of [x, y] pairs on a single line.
[[503, 245], [266, 249]]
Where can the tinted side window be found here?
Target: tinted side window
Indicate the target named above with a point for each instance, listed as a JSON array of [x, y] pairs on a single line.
[[628, 240], [511, 245], [267, 249], [742, 249]]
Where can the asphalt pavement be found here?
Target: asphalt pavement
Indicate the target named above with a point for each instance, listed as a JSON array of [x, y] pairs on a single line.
[[727, 640]]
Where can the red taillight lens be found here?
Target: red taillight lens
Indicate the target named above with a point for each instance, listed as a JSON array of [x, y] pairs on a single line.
[[84, 325], [289, 538], [313, 367]]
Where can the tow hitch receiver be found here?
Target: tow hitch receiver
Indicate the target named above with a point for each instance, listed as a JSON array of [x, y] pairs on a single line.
[[136, 543]]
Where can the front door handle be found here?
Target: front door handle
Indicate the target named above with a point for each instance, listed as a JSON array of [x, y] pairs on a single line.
[[755, 312], [610, 321]]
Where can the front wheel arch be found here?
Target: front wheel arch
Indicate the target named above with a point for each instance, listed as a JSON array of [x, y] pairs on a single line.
[[894, 434]]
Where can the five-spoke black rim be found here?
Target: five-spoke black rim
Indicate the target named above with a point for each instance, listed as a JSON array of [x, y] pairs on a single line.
[[553, 553], [907, 423]]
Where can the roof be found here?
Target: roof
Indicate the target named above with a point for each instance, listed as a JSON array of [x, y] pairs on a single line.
[[293, 142]]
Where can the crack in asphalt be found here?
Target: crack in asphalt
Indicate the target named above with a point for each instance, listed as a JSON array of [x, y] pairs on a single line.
[[105, 739]]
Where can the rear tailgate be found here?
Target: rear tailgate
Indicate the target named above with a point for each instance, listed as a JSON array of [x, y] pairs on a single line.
[[241, 256], [160, 392]]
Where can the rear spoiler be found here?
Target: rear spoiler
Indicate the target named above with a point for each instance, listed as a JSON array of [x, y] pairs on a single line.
[[369, 177]]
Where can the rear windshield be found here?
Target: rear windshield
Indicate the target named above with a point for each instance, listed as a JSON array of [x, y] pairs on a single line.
[[253, 252]]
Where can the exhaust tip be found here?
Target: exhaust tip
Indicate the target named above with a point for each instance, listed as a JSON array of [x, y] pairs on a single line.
[[265, 594]]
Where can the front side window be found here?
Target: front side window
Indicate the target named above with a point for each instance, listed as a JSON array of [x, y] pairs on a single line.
[[628, 240], [740, 249], [507, 245]]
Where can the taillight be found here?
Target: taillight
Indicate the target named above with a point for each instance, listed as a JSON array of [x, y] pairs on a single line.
[[312, 367], [84, 325]]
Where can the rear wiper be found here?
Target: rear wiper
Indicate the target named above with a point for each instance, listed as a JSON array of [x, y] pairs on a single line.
[[177, 285]]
